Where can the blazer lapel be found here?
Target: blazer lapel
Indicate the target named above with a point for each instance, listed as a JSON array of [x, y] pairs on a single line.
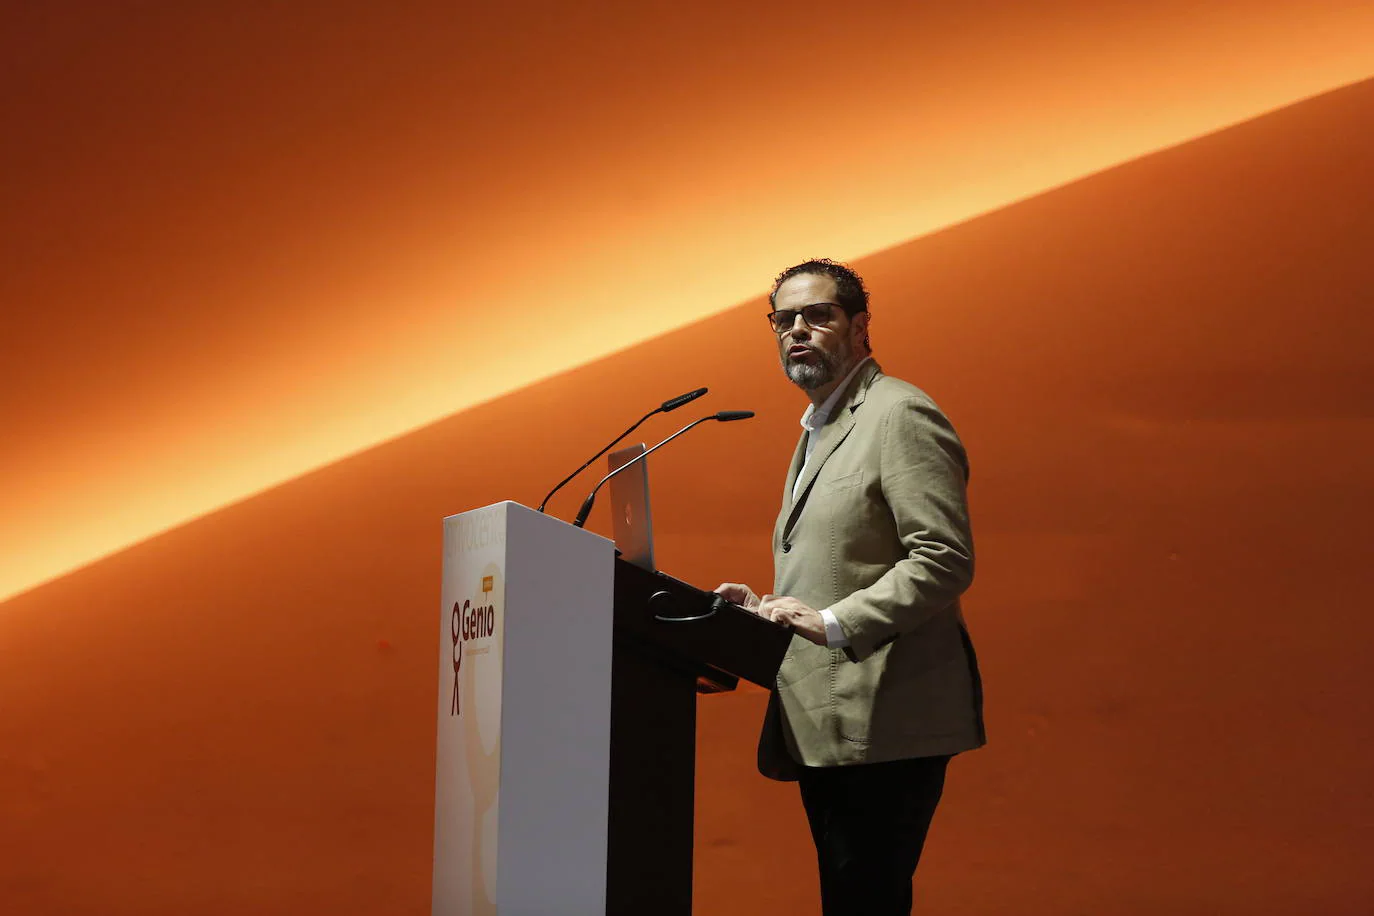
[[798, 458], [831, 435]]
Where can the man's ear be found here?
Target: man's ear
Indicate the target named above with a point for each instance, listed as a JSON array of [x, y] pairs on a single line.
[[860, 325]]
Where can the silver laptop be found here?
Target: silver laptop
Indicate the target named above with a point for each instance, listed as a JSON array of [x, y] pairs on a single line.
[[631, 523]]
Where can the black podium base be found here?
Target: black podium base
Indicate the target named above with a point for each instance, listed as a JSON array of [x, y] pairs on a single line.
[[671, 642]]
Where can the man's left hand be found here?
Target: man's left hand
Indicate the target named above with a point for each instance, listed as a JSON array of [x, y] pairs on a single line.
[[805, 621]]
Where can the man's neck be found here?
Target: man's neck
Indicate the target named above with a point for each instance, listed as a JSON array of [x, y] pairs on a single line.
[[818, 395]]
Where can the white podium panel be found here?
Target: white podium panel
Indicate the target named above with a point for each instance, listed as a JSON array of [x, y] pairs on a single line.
[[521, 794]]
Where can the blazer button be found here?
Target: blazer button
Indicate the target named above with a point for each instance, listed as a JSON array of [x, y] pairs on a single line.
[[786, 546]]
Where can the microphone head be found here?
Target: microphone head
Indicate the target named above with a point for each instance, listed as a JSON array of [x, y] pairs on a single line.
[[675, 403], [725, 416]]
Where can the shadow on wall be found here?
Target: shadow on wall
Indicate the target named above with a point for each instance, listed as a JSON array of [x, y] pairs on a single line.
[[1164, 378]]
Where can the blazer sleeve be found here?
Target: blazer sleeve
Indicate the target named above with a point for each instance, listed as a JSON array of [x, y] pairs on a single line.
[[924, 474]]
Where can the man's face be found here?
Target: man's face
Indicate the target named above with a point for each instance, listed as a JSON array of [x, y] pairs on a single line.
[[814, 357]]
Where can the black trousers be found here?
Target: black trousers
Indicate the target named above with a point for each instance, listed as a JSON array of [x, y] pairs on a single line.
[[869, 823]]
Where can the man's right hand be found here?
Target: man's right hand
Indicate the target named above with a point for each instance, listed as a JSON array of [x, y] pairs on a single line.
[[739, 594]]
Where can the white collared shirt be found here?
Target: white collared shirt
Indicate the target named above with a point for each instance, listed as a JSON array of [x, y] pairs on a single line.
[[813, 419]]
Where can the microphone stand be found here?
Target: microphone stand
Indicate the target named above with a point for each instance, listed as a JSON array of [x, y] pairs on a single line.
[[666, 406], [724, 416]]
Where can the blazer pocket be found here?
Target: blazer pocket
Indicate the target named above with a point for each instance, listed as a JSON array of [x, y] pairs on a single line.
[[847, 482], [854, 695]]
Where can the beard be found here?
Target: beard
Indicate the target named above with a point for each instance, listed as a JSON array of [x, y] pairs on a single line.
[[825, 369]]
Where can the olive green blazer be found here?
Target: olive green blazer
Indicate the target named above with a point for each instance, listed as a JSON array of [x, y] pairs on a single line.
[[879, 534]]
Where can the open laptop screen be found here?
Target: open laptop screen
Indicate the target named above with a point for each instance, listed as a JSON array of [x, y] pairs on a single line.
[[630, 519]]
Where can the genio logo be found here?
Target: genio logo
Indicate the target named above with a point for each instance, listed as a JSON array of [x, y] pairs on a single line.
[[468, 622]]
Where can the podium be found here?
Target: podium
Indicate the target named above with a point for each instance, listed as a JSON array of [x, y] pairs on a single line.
[[566, 745]]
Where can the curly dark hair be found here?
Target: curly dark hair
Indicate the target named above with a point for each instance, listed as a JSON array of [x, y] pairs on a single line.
[[849, 286]]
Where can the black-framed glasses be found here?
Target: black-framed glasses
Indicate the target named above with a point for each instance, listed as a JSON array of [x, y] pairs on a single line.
[[816, 315]]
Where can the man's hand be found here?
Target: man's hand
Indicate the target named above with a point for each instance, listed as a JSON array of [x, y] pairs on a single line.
[[739, 594], [806, 622]]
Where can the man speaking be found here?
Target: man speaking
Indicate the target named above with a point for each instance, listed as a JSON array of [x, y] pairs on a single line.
[[871, 552]]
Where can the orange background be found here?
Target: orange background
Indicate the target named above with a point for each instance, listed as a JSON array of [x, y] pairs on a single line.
[[283, 286]]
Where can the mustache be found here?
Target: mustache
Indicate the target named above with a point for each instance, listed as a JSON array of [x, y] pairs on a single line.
[[823, 361]]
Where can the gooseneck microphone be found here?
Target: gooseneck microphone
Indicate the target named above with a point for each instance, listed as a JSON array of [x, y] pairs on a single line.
[[724, 416], [670, 404]]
